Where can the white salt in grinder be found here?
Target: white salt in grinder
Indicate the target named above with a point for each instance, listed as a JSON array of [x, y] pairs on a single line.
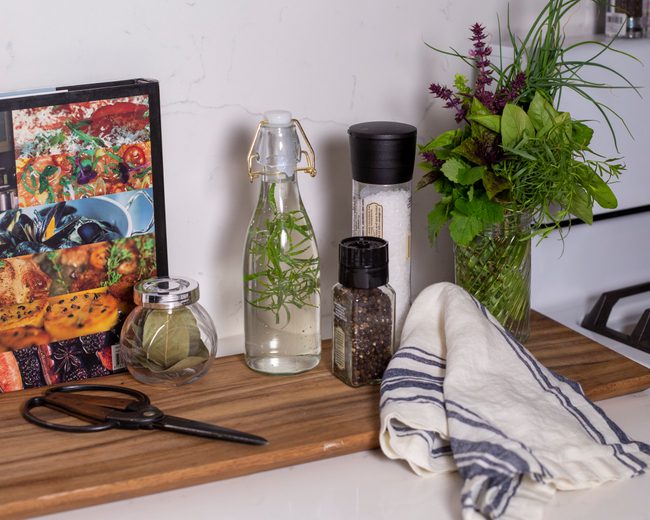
[[382, 154]]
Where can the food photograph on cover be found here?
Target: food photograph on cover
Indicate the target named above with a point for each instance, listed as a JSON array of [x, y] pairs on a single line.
[[78, 236], [80, 150]]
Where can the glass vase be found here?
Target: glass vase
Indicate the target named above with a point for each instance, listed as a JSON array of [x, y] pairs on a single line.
[[495, 269]]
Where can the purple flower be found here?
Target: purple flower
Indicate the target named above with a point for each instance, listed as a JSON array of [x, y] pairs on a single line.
[[452, 100], [432, 158], [481, 52], [508, 93]]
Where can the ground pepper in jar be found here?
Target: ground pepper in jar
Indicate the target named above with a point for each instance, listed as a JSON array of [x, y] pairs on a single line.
[[364, 312]]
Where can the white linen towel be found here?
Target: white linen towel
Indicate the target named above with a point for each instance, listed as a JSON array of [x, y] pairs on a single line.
[[462, 394]]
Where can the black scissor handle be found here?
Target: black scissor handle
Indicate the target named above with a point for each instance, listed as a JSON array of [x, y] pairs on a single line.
[[143, 398], [41, 401]]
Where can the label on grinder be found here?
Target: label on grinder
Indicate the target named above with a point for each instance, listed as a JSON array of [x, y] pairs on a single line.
[[339, 348], [374, 222]]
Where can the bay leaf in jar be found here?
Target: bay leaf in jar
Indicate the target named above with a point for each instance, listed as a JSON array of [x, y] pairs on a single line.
[[171, 341]]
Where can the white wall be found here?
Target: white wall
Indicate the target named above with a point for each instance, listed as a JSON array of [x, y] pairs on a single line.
[[222, 64]]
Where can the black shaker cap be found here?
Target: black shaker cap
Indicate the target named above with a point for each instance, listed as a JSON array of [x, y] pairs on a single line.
[[363, 262], [382, 152]]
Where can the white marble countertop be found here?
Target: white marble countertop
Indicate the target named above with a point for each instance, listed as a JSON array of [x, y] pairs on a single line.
[[367, 485]]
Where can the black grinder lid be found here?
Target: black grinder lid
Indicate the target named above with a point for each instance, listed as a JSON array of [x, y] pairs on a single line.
[[382, 152], [363, 262]]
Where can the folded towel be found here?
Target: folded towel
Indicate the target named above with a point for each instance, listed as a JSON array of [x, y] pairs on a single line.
[[462, 394]]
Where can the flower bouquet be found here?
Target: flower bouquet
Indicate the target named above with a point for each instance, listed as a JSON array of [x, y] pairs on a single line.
[[517, 166]]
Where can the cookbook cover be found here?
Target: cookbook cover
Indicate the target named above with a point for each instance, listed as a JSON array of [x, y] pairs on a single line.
[[81, 221]]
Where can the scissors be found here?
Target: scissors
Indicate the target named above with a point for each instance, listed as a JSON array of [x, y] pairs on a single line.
[[133, 412]]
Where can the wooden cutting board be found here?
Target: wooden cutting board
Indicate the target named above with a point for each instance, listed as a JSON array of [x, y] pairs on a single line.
[[306, 417]]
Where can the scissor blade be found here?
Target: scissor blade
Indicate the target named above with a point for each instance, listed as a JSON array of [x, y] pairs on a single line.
[[114, 403], [73, 405], [211, 431]]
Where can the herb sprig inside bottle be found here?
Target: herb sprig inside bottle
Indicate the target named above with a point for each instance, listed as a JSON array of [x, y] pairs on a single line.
[[286, 276]]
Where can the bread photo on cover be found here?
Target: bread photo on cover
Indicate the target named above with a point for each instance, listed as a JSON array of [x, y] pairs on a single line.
[[77, 314], [21, 337], [20, 315], [22, 281]]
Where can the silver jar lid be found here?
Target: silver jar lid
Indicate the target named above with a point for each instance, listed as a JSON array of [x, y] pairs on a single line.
[[165, 291]]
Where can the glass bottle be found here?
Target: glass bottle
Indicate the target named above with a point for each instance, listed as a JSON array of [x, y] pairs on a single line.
[[363, 335], [168, 338], [383, 156], [281, 263]]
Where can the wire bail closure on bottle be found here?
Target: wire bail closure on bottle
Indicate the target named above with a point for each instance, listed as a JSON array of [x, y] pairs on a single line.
[[308, 154]]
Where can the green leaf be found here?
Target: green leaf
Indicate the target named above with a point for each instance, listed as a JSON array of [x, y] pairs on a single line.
[[443, 185], [470, 217], [481, 134], [460, 84], [491, 122], [463, 228], [515, 124], [168, 335], [519, 150], [494, 184], [453, 167], [581, 207], [448, 138], [436, 219], [541, 112], [600, 191], [478, 109], [560, 127], [428, 178], [487, 211], [471, 175], [466, 150], [582, 134]]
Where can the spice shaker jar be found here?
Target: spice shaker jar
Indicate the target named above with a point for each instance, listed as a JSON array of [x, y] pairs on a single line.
[[168, 338], [364, 312], [383, 156]]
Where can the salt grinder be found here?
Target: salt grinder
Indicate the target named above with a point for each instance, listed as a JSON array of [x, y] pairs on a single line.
[[383, 156]]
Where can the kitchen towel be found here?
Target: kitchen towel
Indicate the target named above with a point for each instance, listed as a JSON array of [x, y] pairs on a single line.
[[462, 394]]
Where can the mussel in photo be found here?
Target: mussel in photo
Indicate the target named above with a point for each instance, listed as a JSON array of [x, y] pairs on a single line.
[[7, 244], [91, 231], [48, 221], [30, 248], [23, 229], [63, 233], [8, 219]]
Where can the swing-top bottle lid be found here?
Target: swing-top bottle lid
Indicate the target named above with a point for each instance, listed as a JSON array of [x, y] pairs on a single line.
[[278, 118]]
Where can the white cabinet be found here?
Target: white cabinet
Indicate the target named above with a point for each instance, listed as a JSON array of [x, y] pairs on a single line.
[[633, 187]]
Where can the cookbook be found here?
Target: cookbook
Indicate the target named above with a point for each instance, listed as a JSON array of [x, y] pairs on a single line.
[[81, 221]]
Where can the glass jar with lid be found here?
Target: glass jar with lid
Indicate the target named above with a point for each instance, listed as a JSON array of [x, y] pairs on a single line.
[[168, 338]]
